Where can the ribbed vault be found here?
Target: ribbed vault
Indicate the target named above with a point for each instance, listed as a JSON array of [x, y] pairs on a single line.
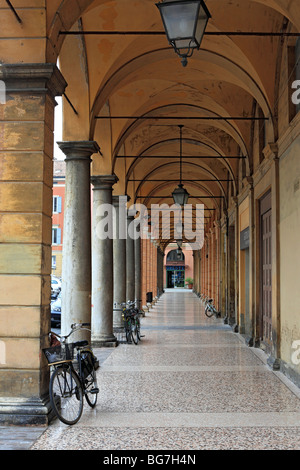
[[131, 94]]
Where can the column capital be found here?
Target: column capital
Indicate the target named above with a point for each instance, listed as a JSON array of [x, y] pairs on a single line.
[[37, 78], [271, 151], [120, 200], [103, 181], [78, 150]]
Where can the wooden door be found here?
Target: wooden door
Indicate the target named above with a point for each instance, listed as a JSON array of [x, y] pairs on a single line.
[[266, 269]]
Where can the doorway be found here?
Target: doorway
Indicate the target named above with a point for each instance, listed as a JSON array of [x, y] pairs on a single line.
[[175, 276], [245, 322], [266, 268]]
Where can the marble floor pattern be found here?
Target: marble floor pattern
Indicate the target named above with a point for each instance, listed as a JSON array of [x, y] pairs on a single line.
[[191, 384]]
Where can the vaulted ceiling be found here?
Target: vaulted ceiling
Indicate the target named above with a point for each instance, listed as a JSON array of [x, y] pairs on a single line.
[[115, 79]]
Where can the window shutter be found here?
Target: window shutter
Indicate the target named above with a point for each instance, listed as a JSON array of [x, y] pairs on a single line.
[[58, 236], [59, 205]]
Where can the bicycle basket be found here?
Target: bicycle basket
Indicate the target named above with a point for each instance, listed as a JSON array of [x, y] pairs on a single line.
[[60, 353]]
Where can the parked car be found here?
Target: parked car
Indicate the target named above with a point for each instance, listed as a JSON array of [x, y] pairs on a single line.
[[55, 287], [56, 311]]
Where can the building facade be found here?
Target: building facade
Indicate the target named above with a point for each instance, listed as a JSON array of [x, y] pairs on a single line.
[[58, 216]]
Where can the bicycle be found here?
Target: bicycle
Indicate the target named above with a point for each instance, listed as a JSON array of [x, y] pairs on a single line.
[[132, 324], [71, 380], [210, 309]]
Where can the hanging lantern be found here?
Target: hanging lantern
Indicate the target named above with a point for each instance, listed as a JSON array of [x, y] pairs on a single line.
[[185, 22], [180, 195]]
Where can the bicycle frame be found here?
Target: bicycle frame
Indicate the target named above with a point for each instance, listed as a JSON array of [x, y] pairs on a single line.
[[69, 362], [69, 384]]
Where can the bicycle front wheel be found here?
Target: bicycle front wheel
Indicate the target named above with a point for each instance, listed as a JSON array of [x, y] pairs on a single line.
[[138, 327], [134, 332], [91, 389], [66, 395], [128, 330]]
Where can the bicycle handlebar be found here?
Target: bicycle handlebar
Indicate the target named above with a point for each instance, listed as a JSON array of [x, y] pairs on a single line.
[[125, 304], [74, 327]]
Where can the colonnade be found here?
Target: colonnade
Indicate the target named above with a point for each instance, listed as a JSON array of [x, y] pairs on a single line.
[[99, 272], [152, 278], [207, 266]]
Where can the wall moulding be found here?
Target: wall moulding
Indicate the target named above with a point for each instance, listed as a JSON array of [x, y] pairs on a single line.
[[34, 78], [262, 171], [289, 136]]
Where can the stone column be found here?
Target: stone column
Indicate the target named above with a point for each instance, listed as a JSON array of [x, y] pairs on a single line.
[[130, 263], [138, 272], [250, 323], [195, 271], [160, 267], [119, 257], [26, 179], [102, 262], [236, 267], [76, 267], [224, 268]]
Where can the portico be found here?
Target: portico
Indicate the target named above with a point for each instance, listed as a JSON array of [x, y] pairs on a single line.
[[125, 97]]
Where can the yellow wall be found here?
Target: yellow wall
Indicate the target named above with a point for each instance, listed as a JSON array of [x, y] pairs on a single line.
[[290, 249]]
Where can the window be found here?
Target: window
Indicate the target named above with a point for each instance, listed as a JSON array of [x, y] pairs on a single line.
[[56, 236], [173, 256], [56, 207], [54, 263]]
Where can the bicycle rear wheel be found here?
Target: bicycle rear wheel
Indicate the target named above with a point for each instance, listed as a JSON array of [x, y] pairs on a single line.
[[208, 311], [91, 389], [66, 395], [138, 326], [89, 378]]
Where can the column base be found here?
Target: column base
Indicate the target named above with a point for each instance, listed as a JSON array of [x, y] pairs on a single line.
[[25, 412], [105, 342], [290, 371], [118, 321], [249, 340], [274, 362]]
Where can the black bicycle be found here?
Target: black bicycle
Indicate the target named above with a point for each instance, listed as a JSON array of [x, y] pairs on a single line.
[[71, 379], [132, 324]]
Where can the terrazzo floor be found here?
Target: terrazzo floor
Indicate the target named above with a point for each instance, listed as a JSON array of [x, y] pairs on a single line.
[[190, 384]]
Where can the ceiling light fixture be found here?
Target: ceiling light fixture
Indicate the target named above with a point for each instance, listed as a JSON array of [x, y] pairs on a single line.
[[180, 194], [185, 22]]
